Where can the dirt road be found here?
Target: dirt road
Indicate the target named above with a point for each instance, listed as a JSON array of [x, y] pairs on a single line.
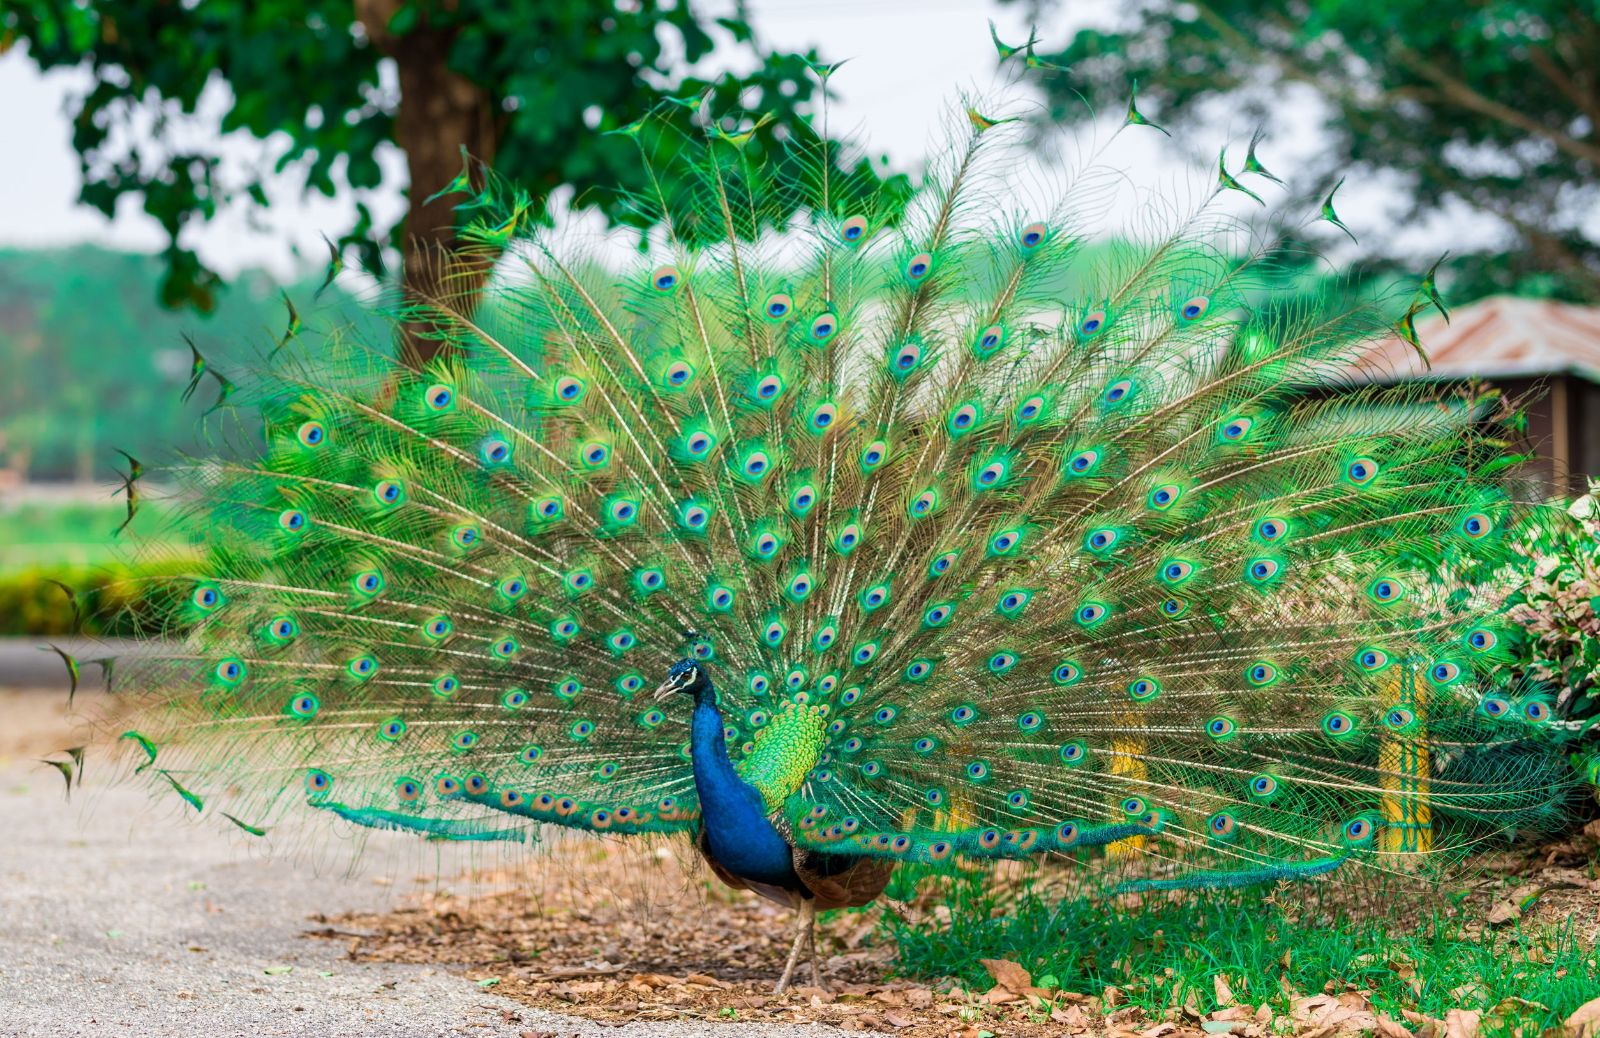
[[118, 917]]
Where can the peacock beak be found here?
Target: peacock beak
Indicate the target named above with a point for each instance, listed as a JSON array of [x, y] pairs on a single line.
[[666, 688]]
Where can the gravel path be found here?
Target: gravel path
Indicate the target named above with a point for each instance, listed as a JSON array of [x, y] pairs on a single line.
[[119, 918]]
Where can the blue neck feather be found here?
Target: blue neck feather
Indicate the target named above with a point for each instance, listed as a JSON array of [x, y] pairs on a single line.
[[735, 819]]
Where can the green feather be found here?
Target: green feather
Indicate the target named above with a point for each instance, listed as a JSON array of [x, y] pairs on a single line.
[[993, 545]]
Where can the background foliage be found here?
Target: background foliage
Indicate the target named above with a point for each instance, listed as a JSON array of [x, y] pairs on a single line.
[[1558, 605], [92, 363], [528, 86], [1487, 107]]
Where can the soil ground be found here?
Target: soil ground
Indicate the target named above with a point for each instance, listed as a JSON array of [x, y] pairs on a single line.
[[122, 918]]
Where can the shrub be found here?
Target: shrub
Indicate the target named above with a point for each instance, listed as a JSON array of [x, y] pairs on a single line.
[[1558, 605], [113, 601]]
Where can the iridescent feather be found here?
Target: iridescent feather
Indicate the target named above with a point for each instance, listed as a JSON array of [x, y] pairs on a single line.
[[993, 545]]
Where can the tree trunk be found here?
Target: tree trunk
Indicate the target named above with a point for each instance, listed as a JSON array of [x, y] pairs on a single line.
[[440, 112]]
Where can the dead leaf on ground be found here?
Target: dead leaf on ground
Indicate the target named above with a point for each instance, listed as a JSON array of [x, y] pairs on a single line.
[[1461, 1023], [1585, 1020], [1008, 974]]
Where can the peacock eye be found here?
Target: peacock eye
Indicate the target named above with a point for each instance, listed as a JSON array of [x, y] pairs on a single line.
[[1263, 569], [1082, 462], [964, 417]]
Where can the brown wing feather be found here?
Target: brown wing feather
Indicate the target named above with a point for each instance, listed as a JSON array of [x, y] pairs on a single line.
[[833, 880], [841, 880]]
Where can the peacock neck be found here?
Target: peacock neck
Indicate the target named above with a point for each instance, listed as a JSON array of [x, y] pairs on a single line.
[[706, 740], [740, 835]]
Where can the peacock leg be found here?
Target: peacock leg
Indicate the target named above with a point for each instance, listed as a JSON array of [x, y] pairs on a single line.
[[801, 927], [811, 945]]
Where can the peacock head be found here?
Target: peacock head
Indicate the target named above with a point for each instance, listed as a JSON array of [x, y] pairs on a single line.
[[685, 676]]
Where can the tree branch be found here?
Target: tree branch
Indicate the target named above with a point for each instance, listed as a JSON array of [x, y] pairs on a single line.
[[1587, 103], [1466, 97]]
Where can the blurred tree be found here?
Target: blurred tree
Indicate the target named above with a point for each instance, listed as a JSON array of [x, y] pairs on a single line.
[[1490, 104], [527, 86]]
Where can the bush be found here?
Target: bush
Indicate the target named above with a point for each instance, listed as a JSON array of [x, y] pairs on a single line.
[[113, 601], [1558, 606]]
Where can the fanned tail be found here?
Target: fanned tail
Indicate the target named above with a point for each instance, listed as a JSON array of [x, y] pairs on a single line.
[[998, 540]]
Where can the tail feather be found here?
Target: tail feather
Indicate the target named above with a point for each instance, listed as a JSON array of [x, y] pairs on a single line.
[[1072, 544]]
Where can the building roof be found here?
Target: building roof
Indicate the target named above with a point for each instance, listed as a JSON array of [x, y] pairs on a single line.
[[1497, 337]]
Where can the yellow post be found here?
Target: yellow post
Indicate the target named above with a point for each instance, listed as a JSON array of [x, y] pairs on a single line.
[[1403, 763], [1127, 758]]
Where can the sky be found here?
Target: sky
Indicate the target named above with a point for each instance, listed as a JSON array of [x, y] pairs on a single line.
[[909, 60]]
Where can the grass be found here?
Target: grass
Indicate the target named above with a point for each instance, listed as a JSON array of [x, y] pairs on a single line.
[[78, 535], [1166, 951]]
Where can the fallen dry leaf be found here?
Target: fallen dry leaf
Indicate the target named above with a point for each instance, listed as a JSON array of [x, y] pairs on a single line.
[[1391, 1028], [1428, 1026], [1008, 974], [1461, 1023], [1585, 1020]]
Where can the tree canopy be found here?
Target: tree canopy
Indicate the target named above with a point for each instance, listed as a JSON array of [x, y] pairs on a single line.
[[1489, 106], [529, 87]]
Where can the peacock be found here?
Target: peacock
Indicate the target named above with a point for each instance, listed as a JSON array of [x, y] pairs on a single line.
[[921, 526]]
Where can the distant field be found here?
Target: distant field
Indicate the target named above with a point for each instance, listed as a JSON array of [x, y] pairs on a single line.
[[38, 535]]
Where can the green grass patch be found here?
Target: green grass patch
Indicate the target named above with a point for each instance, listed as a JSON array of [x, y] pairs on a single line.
[[45, 535], [1165, 951]]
